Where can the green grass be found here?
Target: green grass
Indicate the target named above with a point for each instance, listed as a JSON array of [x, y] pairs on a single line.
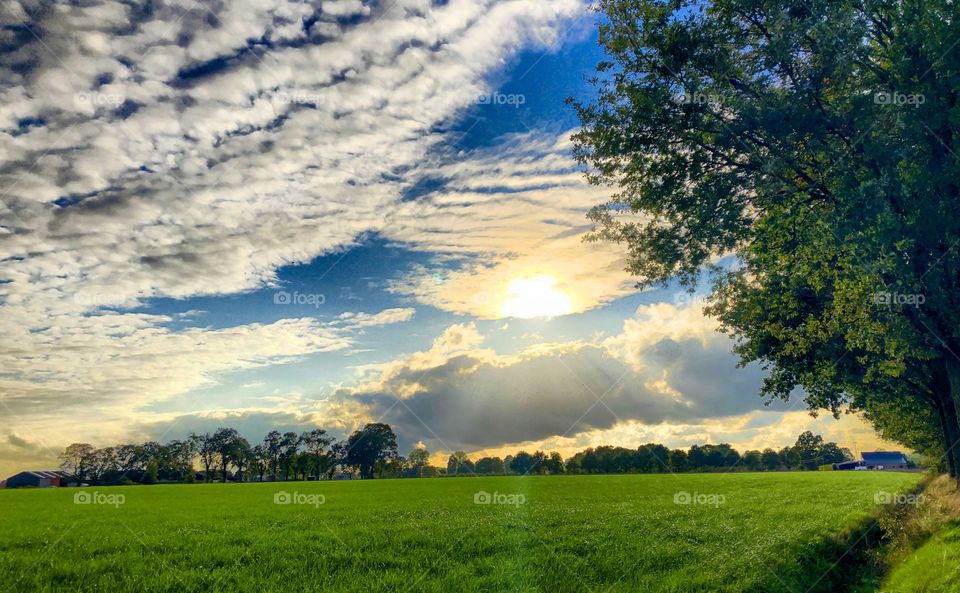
[[773, 532], [934, 567]]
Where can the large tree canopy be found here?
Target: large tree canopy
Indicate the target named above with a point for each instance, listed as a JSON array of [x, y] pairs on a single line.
[[814, 140]]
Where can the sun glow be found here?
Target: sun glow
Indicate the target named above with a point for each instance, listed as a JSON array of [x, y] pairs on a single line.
[[535, 297]]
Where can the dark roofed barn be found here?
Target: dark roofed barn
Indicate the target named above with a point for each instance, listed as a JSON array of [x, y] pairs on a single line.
[[39, 479], [885, 460]]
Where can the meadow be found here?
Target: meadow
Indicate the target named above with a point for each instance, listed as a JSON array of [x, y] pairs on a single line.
[[755, 532]]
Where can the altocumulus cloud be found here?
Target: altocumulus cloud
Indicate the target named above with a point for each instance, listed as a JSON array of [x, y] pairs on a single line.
[[181, 149]]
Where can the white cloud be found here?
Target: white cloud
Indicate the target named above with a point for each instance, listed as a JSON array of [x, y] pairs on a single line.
[[194, 149]]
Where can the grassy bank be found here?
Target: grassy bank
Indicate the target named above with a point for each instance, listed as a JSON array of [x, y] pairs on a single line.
[[922, 554]]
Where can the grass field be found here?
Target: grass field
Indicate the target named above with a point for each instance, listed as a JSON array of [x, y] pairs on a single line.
[[738, 532]]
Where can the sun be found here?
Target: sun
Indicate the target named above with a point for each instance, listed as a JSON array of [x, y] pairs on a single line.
[[535, 297]]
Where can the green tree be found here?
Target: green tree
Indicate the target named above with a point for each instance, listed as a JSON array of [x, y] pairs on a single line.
[[260, 459], [521, 463], [539, 462], [76, 459], [769, 459], [554, 464], [417, 460], [271, 443], [677, 460], [809, 447], [366, 447], [490, 466], [229, 447], [206, 447], [459, 463], [752, 460], [315, 442], [288, 449], [816, 142]]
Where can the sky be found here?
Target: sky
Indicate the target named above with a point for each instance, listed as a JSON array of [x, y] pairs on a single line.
[[284, 215]]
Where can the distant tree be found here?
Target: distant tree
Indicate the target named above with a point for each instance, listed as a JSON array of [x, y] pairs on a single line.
[[272, 444], [206, 448], [458, 463], [521, 463], [831, 453], [76, 459], [369, 445], [260, 458], [289, 447], [303, 463], [590, 462], [418, 458], [151, 475], [539, 462], [225, 442], [808, 447], [789, 458], [752, 460], [101, 464], [769, 459], [391, 467], [241, 455], [677, 460], [554, 464], [315, 443], [337, 455], [177, 460], [129, 458]]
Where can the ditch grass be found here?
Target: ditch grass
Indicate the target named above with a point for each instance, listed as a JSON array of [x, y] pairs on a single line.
[[922, 547], [770, 532]]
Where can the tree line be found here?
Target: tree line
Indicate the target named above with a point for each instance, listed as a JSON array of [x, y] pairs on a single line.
[[226, 456]]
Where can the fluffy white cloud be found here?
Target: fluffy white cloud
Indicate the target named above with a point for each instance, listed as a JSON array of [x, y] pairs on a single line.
[[195, 149], [105, 368], [179, 148]]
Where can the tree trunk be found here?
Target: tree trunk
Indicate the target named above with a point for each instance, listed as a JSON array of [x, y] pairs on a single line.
[[951, 469], [947, 389], [953, 373]]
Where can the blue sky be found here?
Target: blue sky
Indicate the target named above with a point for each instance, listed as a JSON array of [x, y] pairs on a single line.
[[401, 172]]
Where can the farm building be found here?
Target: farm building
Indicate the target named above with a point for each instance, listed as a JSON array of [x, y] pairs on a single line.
[[847, 465], [885, 460], [39, 479]]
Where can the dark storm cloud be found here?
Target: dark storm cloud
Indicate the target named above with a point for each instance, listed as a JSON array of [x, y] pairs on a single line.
[[467, 403]]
